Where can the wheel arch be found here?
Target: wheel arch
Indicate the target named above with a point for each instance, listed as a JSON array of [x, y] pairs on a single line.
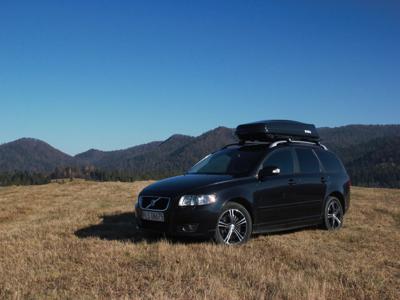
[[339, 196], [244, 202]]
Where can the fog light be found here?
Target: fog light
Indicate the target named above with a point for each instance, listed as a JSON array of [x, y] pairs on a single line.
[[188, 227]]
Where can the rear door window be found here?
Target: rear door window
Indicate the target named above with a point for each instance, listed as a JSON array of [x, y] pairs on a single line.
[[330, 162], [308, 162]]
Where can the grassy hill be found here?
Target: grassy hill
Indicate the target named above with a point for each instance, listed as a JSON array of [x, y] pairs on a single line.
[[78, 240]]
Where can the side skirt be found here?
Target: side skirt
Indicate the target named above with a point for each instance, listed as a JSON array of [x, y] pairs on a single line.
[[284, 227]]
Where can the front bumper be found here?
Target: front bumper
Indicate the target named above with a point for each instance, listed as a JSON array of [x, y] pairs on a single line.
[[183, 221]]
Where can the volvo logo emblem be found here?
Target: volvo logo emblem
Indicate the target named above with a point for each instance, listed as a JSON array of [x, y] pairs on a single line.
[[153, 203]]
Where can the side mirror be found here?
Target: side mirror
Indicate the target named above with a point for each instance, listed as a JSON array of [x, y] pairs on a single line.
[[268, 171]]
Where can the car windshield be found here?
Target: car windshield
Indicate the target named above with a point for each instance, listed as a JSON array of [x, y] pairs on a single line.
[[231, 161]]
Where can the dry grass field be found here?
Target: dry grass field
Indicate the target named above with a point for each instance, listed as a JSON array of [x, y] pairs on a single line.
[[78, 240]]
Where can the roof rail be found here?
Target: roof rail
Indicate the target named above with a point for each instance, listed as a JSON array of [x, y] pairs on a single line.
[[233, 144], [241, 143], [323, 146], [276, 143]]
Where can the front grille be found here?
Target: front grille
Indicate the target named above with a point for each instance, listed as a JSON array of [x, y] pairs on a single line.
[[154, 202]]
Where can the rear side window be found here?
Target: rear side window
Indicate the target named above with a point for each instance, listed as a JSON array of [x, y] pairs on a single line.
[[282, 159], [308, 162], [330, 162]]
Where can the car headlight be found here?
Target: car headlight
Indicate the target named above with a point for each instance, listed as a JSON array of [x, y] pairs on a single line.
[[194, 200]]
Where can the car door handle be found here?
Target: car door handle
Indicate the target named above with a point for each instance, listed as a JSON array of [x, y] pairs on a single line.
[[291, 181], [324, 179]]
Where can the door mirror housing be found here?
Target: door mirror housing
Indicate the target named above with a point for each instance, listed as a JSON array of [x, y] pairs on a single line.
[[268, 171]]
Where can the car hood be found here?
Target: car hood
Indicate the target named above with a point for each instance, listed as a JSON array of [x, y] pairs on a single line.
[[184, 184]]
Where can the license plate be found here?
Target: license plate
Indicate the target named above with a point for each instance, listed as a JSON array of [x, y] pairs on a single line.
[[153, 216]]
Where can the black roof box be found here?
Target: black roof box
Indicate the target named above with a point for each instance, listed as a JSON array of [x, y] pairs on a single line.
[[273, 130]]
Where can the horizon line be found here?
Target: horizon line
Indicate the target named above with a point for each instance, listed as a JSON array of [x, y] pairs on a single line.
[[153, 141]]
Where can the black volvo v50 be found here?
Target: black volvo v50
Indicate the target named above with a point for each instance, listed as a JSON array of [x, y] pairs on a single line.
[[277, 177]]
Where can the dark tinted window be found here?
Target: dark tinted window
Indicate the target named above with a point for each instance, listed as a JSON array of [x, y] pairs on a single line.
[[308, 162], [282, 159], [330, 162], [233, 161]]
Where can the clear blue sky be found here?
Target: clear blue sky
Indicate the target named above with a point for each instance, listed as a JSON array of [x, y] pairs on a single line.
[[112, 74]]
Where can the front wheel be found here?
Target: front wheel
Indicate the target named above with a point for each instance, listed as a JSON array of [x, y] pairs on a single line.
[[333, 214], [234, 225]]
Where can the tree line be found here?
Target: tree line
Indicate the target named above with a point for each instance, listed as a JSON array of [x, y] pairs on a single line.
[[361, 174], [33, 178], [23, 178]]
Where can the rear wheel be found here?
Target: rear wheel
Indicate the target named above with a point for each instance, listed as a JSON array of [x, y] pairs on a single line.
[[234, 225], [333, 216]]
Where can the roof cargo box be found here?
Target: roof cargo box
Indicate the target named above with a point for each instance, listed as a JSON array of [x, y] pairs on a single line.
[[273, 130]]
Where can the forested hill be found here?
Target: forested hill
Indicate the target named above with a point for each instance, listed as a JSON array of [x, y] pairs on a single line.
[[371, 154], [32, 155], [374, 163], [350, 135]]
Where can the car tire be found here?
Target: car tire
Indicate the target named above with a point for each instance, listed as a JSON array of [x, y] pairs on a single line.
[[333, 214], [234, 225]]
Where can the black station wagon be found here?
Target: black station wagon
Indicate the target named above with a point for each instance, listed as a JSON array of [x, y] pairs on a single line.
[[277, 177]]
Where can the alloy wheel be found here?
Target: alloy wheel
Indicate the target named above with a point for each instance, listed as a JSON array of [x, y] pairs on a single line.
[[232, 226], [335, 215]]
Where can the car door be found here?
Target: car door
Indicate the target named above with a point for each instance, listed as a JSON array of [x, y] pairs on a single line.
[[273, 195], [309, 190]]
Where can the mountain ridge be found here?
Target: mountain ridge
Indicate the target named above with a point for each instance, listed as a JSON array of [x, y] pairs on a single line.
[[355, 144], [41, 156]]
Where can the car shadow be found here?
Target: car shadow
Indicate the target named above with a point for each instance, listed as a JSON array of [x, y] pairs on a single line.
[[123, 227]]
